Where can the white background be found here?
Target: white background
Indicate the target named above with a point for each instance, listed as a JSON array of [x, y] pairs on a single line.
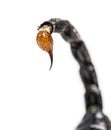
[[31, 96]]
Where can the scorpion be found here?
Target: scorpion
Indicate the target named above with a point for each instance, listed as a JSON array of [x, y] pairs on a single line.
[[94, 118]]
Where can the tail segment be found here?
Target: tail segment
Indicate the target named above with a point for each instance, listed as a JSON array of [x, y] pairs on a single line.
[[80, 52]]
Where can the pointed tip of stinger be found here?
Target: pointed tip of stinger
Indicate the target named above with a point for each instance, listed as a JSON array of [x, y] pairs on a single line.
[[51, 58]]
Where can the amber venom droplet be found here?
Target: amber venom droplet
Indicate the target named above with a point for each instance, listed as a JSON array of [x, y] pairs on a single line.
[[45, 42]]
